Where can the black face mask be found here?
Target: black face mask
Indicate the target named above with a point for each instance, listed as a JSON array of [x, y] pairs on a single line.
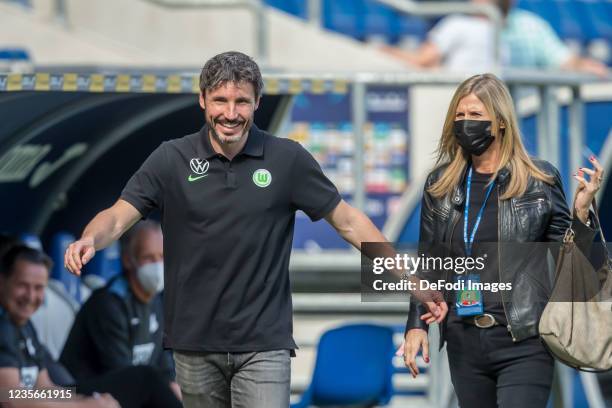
[[474, 136]]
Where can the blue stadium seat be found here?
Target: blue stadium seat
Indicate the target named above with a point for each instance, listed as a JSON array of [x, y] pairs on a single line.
[[411, 26], [14, 54], [582, 20], [597, 16], [103, 266], [571, 25], [379, 20], [72, 283], [296, 7], [367, 18], [547, 9], [344, 16], [353, 366]]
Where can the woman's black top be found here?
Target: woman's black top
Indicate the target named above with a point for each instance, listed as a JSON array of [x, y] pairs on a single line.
[[485, 242]]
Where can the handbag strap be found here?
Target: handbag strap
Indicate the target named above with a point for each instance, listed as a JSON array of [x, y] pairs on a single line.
[[597, 225]]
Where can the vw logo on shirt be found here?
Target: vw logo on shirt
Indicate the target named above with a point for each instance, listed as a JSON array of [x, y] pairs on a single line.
[[198, 166]]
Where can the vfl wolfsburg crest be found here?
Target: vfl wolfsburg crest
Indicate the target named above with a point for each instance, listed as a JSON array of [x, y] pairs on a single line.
[[262, 178]]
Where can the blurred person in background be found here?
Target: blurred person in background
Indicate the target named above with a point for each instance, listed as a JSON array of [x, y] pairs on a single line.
[[529, 41], [486, 189], [458, 42], [465, 43], [228, 195], [121, 325], [24, 273]]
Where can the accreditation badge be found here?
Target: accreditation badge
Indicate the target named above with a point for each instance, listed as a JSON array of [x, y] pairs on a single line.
[[469, 301]]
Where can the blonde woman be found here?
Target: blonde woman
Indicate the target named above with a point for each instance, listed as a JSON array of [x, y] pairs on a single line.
[[484, 176]]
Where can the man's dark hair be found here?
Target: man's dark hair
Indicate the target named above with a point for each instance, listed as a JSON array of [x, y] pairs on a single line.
[[21, 252], [127, 239], [231, 66]]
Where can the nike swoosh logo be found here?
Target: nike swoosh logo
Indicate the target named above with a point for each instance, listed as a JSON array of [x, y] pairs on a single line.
[[194, 178]]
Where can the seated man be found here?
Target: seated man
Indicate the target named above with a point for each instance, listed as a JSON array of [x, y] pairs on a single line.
[[120, 325], [24, 361], [23, 277]]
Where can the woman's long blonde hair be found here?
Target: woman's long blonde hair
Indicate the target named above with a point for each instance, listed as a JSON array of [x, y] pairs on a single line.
[[513, 155]]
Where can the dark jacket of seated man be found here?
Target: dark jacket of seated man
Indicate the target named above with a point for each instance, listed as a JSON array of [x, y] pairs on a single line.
[[20, 348], [113, 330], [121, 324]]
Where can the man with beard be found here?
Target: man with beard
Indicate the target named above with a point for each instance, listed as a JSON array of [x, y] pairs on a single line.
[[228, 196]]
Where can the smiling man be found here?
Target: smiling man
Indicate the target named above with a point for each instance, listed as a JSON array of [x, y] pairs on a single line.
[[228, 196], [24, 273]]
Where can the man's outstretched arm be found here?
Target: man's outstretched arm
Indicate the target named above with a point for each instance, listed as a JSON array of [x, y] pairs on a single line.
[[356, 228], [107, 226], [353, 225]]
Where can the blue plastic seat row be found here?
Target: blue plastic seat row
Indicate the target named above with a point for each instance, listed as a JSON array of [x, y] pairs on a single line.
[[582, 20], [359, 18], [14, 54], [298, 8], [365, 18]]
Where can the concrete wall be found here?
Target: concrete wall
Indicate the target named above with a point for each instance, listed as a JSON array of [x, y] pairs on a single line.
[[49, 43]]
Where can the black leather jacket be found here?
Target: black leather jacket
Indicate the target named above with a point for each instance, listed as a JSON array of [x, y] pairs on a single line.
[[539, 215]]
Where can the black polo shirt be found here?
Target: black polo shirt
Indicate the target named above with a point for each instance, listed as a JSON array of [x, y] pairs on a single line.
[[228, 230]]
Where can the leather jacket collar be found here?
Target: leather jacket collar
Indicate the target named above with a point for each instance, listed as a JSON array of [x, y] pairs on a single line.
[[458, 195]]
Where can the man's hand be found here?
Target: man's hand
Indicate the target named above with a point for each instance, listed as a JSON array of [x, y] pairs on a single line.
[[434, 302], [107, 226], [414, 341], [430, 317], [78, 254], [438, 310]]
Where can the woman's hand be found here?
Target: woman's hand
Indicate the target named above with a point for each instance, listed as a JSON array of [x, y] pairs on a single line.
[[414, 341], [587, 189]]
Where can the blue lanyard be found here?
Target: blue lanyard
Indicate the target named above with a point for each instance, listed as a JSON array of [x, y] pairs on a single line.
[[470, 241]]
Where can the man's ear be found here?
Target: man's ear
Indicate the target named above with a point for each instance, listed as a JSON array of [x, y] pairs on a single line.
[[257, 102], [202, 104]]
